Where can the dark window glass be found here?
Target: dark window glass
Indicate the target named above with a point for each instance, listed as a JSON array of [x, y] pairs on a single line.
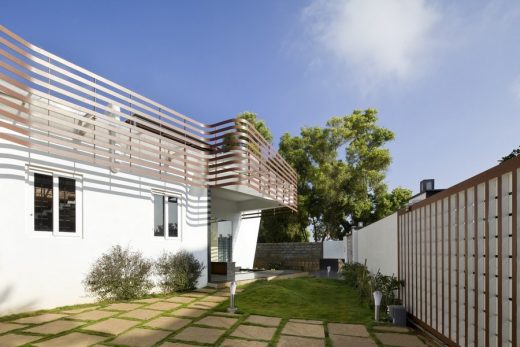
[[67, 204], [173, 217], [158, 215], [42, 202]]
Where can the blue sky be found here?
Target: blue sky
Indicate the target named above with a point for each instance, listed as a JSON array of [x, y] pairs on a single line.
[[444, 75]]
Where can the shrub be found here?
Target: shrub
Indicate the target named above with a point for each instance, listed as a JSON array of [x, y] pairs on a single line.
[[178, 272], [357, 276], [119, 274]]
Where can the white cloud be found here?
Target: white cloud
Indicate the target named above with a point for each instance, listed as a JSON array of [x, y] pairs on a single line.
[[377, 40]]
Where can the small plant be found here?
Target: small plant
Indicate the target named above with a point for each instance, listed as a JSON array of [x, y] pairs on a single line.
[[119, 274], [358, 276], [178, 272]]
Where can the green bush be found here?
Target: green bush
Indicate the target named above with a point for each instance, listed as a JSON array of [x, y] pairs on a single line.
[[357, 276], [119, 274], [178, 272]]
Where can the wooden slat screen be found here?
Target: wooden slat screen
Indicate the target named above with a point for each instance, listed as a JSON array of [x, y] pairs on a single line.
[[59, 108], [458, 254]]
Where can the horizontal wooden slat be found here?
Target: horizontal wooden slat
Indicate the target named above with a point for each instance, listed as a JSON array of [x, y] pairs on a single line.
[[52, 105]]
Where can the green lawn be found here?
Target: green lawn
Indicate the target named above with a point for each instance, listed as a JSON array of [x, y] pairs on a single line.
[[304, 298]]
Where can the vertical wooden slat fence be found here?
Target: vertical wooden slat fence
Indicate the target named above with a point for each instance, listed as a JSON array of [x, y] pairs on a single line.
[[458, 253]]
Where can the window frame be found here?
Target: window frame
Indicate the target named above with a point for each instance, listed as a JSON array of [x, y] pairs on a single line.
[[56, 174], [165, 195]]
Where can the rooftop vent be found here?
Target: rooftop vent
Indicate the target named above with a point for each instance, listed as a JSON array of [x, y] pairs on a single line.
[[427, 185]]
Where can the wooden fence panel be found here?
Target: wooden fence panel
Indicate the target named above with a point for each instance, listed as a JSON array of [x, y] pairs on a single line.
[[458, 253]]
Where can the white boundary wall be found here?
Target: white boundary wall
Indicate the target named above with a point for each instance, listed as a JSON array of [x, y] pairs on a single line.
[[335, 249], [377, 243]]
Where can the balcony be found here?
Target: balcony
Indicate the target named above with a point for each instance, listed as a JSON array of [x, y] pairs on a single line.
[[53, 106]]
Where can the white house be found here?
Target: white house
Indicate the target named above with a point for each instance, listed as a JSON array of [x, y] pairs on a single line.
[[86, 164]]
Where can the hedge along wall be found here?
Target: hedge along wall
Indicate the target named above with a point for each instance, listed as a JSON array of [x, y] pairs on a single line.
[[291, 255]]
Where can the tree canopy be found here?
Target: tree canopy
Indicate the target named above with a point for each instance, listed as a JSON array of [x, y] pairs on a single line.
[[514, 153], [342, 169], [259, 125]]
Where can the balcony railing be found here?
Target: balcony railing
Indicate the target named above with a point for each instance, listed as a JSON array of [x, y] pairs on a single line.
[[59, 108]]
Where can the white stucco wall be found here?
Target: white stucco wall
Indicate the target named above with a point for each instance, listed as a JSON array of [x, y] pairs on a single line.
[[245, 243], [334, 249], [377, 243], [39, 270], [245, 231]]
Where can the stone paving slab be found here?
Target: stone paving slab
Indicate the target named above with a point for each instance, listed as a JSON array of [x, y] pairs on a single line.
[[80, 310], [392, 329], [55, 327], [306, 321], [141, 337], [5, 327], [227, 314], [401, 340], [354, 341], [123, 306], [180, 299], [206, 290], [149, 300], [188, 312], [112, 326], [200, 335], [176, 344], [224, 293], [72, 340], [168, 323], [216, 298], [217, 321], [297, 341], [204, 305], [93, 315], [264, 320], [348, 329], [42, 318], [242, 343], [163, 306], [195, 295], [254, 332], [17, 340], [141, 313], [308, 330]]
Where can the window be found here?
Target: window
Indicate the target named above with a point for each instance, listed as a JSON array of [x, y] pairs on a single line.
[[67, 211], [55, 203], [43, 216], [166, 212], [158, 209], [173, 218]]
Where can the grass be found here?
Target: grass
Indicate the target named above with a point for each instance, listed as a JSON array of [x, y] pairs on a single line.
[[304, 298]]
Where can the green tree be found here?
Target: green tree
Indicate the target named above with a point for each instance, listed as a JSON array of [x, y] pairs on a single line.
[[515, 153], [259, 125], [334, 193], [238, 139]]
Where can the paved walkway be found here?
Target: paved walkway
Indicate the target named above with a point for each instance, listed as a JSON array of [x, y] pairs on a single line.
[[187, 320]]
